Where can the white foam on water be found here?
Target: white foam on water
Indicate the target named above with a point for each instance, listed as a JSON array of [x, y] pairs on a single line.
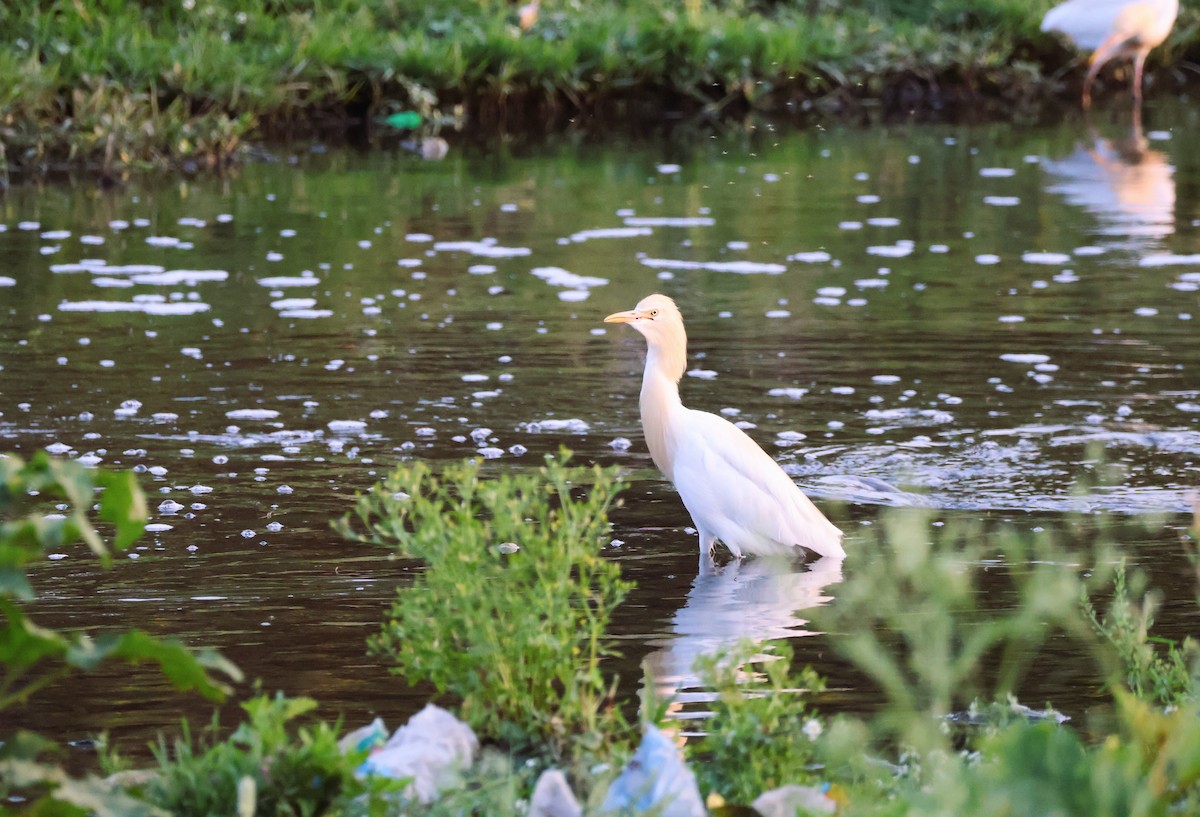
[[104, 281], [559, 277], [670, 221], [739, 267], [147, 307], [791, 392], [346, 426], [1045, 258], [294, 303], [306, 314], [610, 232], [487, 248], [997, 172], [284, 281], [180, 276], [1168, 260], [814, 257], [572, 425], [1013, 357], [1001, 201], [898, 250], [252, 414]]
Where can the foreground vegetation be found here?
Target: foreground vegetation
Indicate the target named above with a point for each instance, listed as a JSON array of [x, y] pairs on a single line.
[[517, 558], [113, 84]]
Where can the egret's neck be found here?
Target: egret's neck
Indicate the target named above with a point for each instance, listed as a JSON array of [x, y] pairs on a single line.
[[661, 406]]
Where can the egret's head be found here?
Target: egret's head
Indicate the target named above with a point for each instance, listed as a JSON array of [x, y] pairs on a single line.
[[656, 317]]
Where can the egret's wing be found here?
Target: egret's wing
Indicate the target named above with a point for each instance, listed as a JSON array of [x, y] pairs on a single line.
[[1089, 23], [734, 489]]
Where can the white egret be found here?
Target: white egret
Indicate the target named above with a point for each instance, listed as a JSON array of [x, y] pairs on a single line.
[[1114, 29], [733, 490]]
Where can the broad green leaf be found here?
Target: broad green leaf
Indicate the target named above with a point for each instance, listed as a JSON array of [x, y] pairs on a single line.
[[186, 669], [23, 643], [25, 745], [124, 505], [13, 583]]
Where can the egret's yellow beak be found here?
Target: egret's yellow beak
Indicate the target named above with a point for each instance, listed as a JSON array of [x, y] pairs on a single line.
[[628, 316]]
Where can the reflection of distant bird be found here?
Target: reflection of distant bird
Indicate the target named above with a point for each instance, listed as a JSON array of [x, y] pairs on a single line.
[[1114, 29], [757, 600], [1126, 184]]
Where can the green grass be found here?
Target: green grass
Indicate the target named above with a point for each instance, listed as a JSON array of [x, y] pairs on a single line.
[[117, 85]]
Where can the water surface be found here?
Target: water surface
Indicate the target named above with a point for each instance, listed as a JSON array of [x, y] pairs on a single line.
[[977, 315]]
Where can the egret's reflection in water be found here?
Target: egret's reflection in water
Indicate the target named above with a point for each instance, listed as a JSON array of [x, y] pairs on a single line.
[[1125, 183], [756, 599]]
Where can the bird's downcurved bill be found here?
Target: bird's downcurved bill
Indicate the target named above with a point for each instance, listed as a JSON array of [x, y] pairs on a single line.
[[624, 317]]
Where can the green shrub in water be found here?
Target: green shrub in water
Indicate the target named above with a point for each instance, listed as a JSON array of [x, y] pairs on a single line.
[[911, 615], [1154, 669], [762, 734], [511, 610]]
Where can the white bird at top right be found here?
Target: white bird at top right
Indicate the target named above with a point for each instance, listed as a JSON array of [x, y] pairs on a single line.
[[1114, 29]]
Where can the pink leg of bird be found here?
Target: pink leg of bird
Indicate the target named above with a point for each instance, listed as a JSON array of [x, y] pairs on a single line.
[[1139, 64], [1101, 55]]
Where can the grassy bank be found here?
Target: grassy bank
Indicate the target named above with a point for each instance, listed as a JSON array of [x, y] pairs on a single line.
[[112, 84]]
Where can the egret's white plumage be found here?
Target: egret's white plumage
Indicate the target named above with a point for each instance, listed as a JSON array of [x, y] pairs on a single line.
[[1113, 29], [733, 490]]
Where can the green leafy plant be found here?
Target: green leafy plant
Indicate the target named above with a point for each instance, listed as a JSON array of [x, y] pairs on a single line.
[[31, 656], [909, 616], [1155, 669], [762, 734], [268, 767], [511, 609]]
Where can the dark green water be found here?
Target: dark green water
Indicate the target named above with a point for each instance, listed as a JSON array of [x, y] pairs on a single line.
[[967, 312]]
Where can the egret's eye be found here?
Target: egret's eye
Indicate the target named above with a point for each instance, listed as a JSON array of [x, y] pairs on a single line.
[[654, 313]]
